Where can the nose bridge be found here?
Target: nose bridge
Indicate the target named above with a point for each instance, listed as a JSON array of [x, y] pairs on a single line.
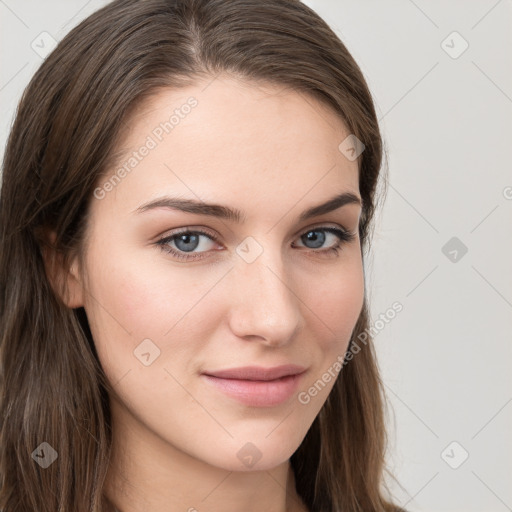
[[265, 304]]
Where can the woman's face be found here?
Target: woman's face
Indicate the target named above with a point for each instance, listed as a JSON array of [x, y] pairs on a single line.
[[265, 290]]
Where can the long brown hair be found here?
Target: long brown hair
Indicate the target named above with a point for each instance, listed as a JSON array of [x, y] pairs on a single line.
[[53, 389]]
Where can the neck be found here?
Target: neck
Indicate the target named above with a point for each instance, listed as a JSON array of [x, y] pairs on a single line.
[[260, 491]]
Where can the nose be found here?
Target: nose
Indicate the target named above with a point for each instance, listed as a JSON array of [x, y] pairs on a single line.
[[264, 304]]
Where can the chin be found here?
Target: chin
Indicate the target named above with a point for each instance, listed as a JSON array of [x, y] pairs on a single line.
[[254, 455]]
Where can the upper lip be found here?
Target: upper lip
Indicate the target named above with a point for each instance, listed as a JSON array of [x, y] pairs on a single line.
[[257, 372]]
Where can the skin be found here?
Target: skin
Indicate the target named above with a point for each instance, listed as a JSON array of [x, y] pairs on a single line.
[[271, 153]]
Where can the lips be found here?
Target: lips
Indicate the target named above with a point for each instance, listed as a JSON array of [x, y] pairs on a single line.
[[257, 386], [257, 372]]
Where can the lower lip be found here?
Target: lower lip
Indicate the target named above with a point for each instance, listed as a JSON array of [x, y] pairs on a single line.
[[258, 393]]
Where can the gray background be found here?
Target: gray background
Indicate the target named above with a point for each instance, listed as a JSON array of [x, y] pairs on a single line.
[[446, 116]]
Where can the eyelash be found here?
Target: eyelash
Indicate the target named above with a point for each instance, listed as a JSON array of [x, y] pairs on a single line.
[[343, 238]]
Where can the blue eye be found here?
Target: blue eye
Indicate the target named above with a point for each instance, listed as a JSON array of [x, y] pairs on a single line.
[[187, 241], [343, 236]]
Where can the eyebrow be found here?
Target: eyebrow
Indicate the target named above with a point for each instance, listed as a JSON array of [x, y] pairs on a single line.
[[234, 215]]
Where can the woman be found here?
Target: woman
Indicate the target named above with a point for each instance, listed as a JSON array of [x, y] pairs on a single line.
[[187, 194]]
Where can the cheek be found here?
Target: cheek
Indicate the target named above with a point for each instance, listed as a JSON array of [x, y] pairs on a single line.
[[335, 306], [133, 299]]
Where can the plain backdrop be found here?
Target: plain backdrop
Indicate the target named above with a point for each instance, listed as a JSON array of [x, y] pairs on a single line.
[[441, 76]]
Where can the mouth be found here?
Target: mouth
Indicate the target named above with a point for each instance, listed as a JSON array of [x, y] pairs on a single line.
[[257, 386]]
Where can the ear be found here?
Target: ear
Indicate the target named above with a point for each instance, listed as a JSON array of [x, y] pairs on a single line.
[[66, 283]]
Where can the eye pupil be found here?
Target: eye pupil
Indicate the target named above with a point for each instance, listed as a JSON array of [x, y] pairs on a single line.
[[319, 240], [185, 237]]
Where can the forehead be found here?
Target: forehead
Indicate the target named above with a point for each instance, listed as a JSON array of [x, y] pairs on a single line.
[[231, 140]]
